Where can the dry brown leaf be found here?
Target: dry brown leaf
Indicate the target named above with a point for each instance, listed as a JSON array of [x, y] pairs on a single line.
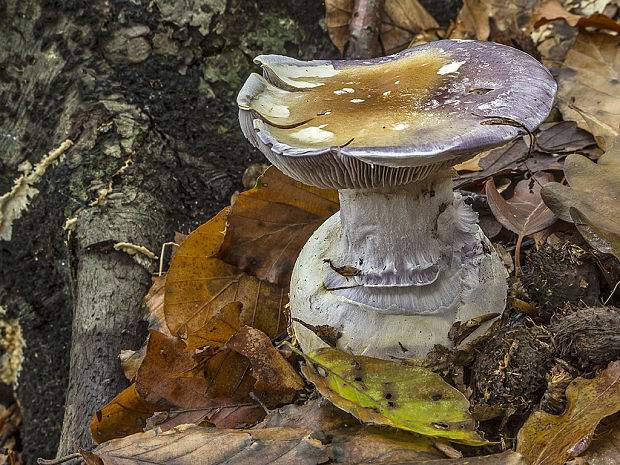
[[223, 414], [317, 415], [552, 10], [525, 213], [125, 414], [553, 141], [276, 380], [481, 19], [198, 285], [268, 225], [226, 372], [563, 136], [401, 21], [497, 21], [472, 21], [218, 330], [554, 439], [586, 90], [195, 445], [605, 448], [159, 379], [153, 305], [592, 201], [131, 361]]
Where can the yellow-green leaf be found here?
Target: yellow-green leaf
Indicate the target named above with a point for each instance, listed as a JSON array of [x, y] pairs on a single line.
[[388, 393]]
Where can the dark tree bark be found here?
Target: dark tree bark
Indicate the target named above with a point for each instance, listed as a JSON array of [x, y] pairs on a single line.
[[146, 86]]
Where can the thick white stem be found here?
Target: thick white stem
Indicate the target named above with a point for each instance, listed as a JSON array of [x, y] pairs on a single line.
[[409, 245], [391, 234]]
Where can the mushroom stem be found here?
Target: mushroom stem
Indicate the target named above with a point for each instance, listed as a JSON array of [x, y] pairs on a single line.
[[408, 241]]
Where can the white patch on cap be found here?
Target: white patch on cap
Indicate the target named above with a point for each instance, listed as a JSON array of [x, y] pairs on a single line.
[[450, 67], [274, 109], [357, 100], [386, 93], [346, 90], [294, 75], [399, 126], [313, 134]]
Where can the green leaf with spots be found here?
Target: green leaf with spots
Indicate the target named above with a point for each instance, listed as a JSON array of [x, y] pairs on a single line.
[[388, 393]]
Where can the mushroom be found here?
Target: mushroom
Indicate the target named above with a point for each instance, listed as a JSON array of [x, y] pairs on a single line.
[[404, 259]]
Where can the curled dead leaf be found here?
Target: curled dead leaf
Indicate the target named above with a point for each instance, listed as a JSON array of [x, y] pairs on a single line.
[[124, 415], [551, 439], [276, 380], [525, 213], [268, 225], [198, 285]]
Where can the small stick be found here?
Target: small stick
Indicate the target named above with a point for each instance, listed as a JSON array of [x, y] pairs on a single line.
[[612, 293], [503, 120], [161, 255], [57, 461], [364, 29]]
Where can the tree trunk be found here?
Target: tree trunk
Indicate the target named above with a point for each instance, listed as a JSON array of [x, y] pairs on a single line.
[[109, 289]]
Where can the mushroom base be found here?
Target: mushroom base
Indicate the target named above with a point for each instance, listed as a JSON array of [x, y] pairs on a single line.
[[367, 331]]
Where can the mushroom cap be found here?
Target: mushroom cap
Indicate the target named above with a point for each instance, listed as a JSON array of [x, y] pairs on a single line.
[[391, 120]]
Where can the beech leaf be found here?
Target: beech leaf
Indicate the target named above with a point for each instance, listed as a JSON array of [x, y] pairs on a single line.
[[277, 381], [525, 213], [388, 393], [194, 445], [351, 444], [124, 415], [218, 330], [585, 90], [160, 380], [551, 439], [268, 225], [198, 285], [593, 199]]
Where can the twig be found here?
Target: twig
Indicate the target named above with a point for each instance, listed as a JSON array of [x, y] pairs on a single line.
[[612, 293], [161, 255], [364, 29], [64, 459], [505, 121]]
